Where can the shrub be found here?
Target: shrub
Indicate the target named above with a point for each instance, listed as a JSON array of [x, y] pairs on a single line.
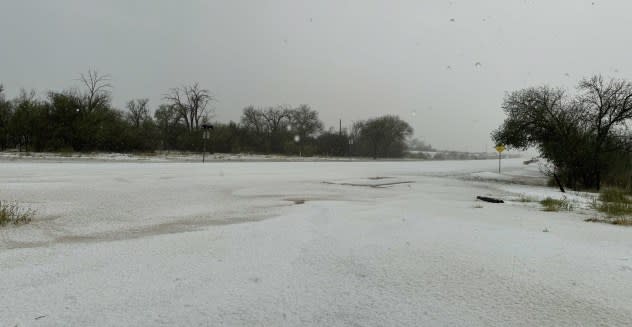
[[11, 213], [551, 204]]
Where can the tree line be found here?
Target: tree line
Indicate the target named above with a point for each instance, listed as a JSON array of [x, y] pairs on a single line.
[[85, 120], [584, 136]]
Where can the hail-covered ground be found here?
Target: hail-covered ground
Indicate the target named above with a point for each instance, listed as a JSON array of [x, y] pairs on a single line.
[[256, 243]]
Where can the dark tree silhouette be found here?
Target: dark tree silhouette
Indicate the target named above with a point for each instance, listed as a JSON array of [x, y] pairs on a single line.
[[191, 104]]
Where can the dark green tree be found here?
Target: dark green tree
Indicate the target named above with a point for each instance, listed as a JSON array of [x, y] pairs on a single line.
[[580, 135], [5, 118], [305, 124], [383, 136], [28, 125]]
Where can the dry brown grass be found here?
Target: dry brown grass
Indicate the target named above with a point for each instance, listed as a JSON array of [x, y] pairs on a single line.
[[11, 213], [550, 204]]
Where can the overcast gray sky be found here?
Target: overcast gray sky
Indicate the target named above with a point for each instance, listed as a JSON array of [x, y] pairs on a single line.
[[349, 60]]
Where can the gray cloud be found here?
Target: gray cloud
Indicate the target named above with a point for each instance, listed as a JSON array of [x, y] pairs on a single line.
[[350, 60]]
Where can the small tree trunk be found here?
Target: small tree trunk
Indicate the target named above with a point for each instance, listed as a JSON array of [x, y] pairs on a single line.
[[559, 183]]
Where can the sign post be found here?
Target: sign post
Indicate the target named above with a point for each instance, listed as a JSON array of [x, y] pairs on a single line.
[[500, 148]]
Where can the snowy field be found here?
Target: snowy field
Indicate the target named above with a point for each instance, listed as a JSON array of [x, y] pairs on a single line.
[[304, 244]]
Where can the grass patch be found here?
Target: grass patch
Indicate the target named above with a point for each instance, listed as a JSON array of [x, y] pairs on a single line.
[[614, 195], [146, 154], [11, 213], [615, 208], [621, 221], [66, 152], [552, 205], [614, 202]]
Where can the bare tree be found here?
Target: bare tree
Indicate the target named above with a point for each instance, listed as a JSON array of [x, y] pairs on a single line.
[[138, 111], [253, 120], [609, 107], [608, 104], [276, 118], [98, 90], [191, 104]]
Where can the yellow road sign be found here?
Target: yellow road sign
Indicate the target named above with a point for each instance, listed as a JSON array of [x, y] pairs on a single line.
[[500, 148]]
